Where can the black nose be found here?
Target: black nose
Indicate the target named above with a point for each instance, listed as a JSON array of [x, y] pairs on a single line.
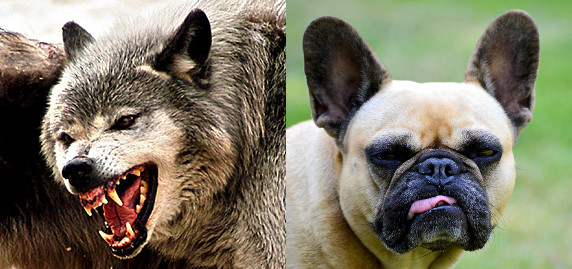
[[79, 172], [439, 170]]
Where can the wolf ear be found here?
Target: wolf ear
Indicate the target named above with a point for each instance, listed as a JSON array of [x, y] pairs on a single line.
[[75, 38], [342, 73], [186, 52], [505, 63]]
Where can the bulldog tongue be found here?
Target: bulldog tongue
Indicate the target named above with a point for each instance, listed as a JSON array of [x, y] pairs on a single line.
[[425, 205]]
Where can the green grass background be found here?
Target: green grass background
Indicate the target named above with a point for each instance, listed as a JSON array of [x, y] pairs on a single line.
[[432, 41]]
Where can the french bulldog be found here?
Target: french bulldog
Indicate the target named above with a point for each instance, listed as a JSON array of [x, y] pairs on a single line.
[[399, 174]]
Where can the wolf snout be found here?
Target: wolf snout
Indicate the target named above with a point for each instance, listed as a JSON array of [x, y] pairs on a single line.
[[80, 174]]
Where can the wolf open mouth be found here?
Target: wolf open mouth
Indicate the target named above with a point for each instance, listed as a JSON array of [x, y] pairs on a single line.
[[127, 203]]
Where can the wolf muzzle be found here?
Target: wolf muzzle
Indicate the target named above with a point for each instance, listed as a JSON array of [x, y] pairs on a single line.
[[81, 174]]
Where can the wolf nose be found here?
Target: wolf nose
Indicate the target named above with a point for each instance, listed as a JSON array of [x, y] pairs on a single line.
[[439, 171], [78, 172]]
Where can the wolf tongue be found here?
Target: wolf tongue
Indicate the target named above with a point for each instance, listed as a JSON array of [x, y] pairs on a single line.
[[424, 205], [117, 216]]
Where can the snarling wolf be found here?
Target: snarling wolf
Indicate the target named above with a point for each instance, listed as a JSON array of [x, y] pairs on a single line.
[[28, 69], [172, 127], [41, 225]]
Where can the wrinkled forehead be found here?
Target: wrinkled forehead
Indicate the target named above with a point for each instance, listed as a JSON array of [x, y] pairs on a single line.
[[434, 113]]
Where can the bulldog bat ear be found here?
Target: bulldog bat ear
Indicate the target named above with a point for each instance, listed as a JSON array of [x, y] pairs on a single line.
[[505, 63], [342, 73], [187, 50], [75, 39]]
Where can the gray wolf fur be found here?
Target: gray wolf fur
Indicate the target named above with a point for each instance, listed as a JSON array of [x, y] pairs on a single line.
[[399, 174], [41, 226], [173, 128]]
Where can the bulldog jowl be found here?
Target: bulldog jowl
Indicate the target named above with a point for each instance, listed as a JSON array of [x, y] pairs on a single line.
[[435, 203]]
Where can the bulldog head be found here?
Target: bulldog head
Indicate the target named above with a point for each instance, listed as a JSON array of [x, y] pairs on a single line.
[[423, 164]]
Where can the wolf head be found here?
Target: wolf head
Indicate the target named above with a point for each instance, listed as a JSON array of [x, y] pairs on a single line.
[[134, 128]]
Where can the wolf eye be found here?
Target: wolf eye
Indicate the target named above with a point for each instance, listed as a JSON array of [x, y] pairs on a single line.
[[124, 122], [66, 139]]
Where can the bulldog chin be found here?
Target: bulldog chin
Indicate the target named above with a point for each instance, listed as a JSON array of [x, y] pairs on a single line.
[[439, 229]]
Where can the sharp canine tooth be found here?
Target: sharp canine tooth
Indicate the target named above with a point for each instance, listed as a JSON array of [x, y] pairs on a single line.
[[144, 187], [98, 205], [137, 209], [104, 200], [136, 172], [130, 233], [123, 242], [142, 199], [88, 211], [113, 195], [107, 237]]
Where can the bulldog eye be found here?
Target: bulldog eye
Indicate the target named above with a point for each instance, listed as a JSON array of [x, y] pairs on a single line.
[[66, 139], [483, 149], [386, 156], [486, 156], [393, 154], [124, 122], [486, 153]]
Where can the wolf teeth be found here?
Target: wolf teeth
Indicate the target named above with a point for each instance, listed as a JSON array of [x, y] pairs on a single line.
[[113, 195], [120, 178], [142, 199], [138, 209], [88, 210], [104, 200], [107, 237], [123, 242], [130, 233], [144, 187], [136, 172]]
